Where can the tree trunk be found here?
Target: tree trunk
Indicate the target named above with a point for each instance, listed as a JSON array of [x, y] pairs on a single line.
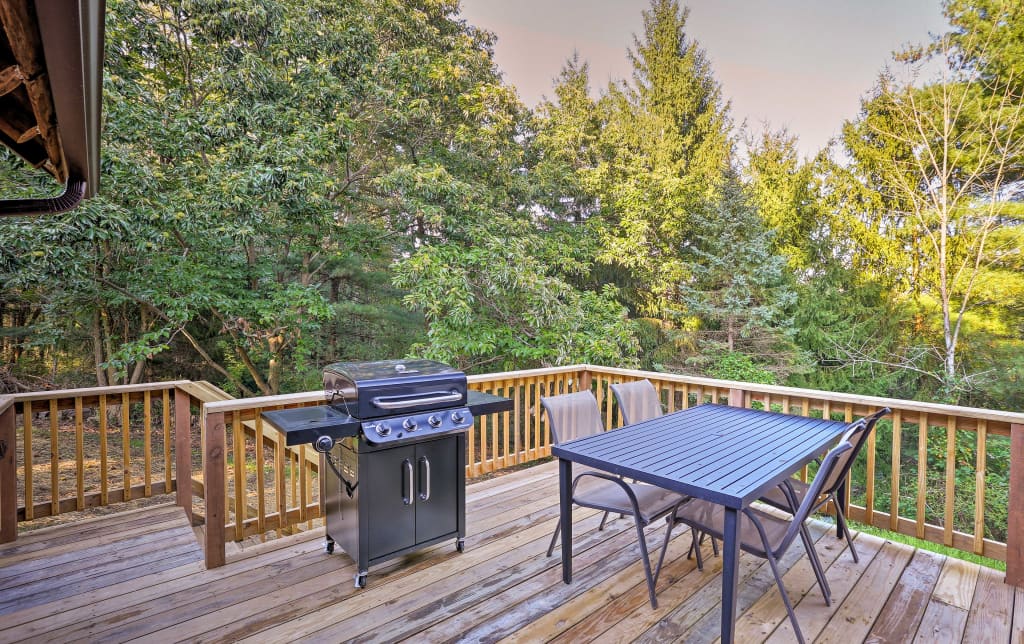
[[97, 349]]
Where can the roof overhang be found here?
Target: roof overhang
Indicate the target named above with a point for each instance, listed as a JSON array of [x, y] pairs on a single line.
[[51, 78]]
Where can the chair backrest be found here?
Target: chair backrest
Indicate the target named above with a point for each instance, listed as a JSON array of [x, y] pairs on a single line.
[[638, 401], [828, 471], [572, 416], [857, 436]]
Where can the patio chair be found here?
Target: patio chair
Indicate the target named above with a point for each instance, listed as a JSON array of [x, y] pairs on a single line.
[[576, 415], [792, 492], [639, 401], [767, 535]]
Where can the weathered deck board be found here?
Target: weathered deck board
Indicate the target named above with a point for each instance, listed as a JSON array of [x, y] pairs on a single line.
[[139, 577]]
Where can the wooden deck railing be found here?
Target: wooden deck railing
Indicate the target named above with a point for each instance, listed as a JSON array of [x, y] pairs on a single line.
[[69, 450], [248, 483]]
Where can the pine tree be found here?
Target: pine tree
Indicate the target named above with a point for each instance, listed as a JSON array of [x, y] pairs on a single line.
[[665, 150]]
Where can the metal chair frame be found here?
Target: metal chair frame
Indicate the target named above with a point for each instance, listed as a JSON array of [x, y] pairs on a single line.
[[707, 517], [791, 493], [662, 502]]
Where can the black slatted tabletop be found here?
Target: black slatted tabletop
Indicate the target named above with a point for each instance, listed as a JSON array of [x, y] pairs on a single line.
[[726, 455]]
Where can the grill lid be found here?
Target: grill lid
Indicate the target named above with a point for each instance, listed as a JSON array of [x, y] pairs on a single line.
[[386, 387]]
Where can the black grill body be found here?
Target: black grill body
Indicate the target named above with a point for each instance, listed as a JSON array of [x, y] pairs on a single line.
[[392, 439]]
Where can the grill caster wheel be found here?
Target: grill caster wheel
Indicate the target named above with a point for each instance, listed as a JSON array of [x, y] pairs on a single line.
[[460, 545], [329, 547], [361, 580]]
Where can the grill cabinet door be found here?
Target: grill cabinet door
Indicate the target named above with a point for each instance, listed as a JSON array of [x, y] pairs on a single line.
[[391, 509], [437, 469]]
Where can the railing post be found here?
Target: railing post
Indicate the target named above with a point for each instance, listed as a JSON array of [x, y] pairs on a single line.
[[735, 397], [214, 486], [586, 380], [183, 450], [1015, 511], [8, 475]]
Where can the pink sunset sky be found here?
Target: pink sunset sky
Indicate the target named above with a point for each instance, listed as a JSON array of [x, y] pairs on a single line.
[[799, 64]]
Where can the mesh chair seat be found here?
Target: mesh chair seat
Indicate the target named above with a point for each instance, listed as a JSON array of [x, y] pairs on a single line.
[[652, 501], [711, 519]]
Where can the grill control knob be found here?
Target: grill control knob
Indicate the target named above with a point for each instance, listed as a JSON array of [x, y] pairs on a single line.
[[458, 417], [434, 420], [382, 429], [410, 424]]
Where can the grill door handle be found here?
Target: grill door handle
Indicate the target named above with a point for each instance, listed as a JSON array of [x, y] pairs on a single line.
[[429, 398], [425, 465], [407, 475]]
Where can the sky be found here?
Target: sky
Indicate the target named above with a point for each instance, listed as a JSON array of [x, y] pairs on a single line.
[[799, 64]]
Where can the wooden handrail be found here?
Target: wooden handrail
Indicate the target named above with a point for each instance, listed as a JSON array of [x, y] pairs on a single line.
[[8, 471], [795, 392]]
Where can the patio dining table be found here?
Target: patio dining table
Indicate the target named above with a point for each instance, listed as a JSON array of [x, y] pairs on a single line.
[[726, 455]]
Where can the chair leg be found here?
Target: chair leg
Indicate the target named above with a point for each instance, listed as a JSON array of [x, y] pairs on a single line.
[[604, 517], [785, 598], [819, 571], [695, 541], [841, 519], [670, 521], [554, 537], [646, 559]]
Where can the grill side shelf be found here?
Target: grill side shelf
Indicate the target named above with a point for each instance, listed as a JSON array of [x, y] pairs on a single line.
[[303, 425], [481, 403]]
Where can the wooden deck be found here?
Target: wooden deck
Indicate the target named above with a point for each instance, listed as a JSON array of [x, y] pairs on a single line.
[[139, 576]]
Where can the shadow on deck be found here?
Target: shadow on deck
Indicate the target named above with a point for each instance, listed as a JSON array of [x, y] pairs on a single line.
[[140, 575]]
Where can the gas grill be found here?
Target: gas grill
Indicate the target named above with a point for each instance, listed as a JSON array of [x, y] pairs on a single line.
[[392, 438]]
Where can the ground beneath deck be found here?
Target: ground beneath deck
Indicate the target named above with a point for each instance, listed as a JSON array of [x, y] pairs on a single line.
[[139, 576]]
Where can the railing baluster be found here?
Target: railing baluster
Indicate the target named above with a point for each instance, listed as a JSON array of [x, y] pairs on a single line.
[[104, 475], [166, 412], [29, 464], [126, 444], [147, 442], [79, 455], [261, 491], [238, 443], [54, 460], [869, 480], [922, 472], [947, 522], [981, 456], [894, 501]]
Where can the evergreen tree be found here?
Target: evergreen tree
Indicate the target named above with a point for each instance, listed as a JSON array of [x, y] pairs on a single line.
[[664, 152]]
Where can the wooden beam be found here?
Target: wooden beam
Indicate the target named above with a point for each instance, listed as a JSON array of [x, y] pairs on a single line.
[[183, 449], [11, 78], [8, 476], [214, 484], [1015, 511], [21, 24]]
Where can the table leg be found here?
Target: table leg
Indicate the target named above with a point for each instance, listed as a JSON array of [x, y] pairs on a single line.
[[565, 504], [730, 573]]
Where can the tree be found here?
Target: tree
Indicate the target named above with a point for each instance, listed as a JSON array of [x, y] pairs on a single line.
[[740, 291], [941, 161], [664, 151], [782, 189]]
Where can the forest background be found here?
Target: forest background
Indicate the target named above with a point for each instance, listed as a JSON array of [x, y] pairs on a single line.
[[288, 183]]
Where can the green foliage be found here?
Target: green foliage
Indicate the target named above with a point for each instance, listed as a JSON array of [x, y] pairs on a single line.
[[494, 306]]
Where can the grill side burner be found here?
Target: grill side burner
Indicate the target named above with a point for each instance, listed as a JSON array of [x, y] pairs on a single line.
[[392, 439]]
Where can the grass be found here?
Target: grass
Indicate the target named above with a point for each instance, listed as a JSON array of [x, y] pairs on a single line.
[[928, 545]]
